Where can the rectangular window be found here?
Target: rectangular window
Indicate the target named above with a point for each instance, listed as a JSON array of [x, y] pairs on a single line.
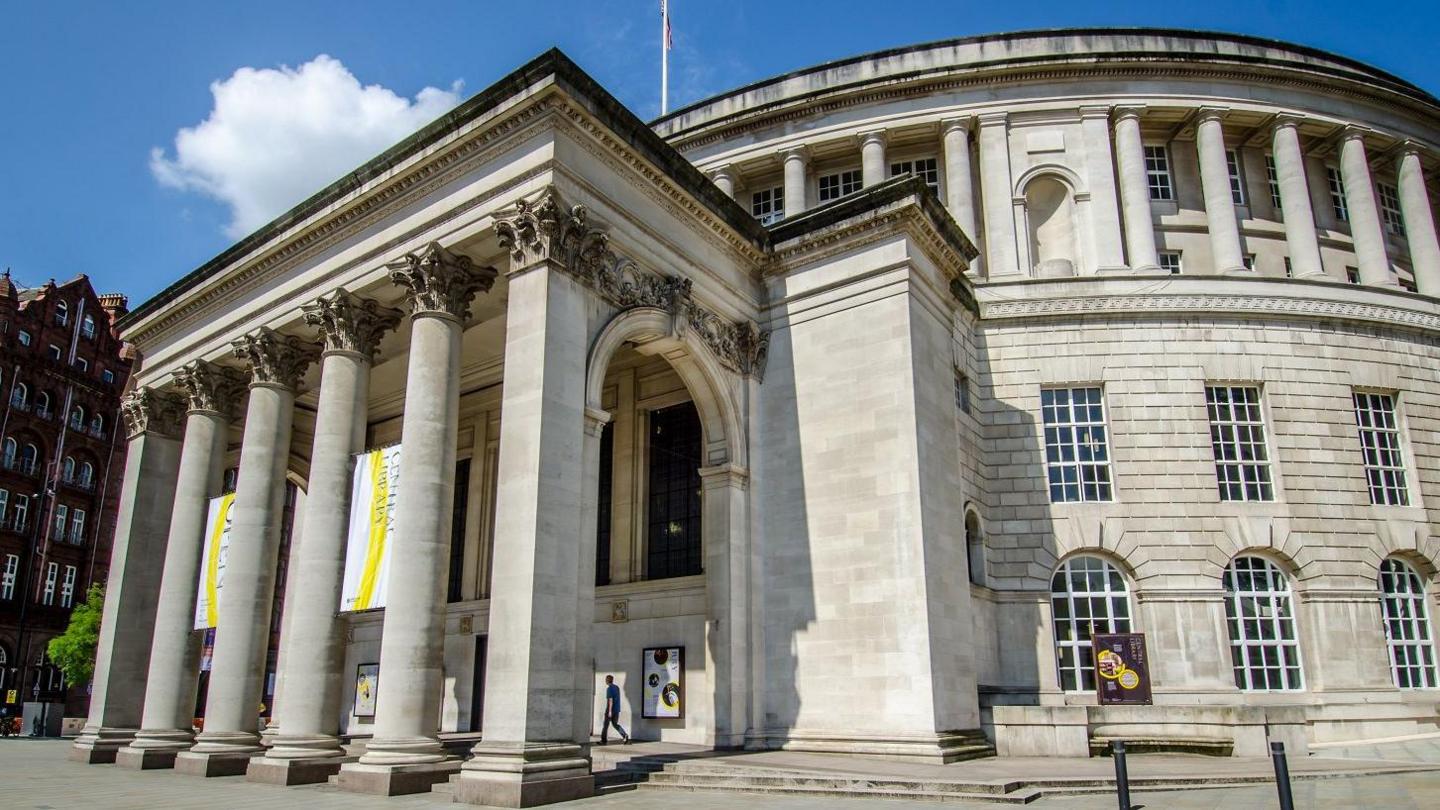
[[1157, 171], [24, 337], [962, 392], [1237, 183], [1249, 261], [54, 352], [925, 168], [1352, 275], [1380, 446], [77, 523], [82, 364], [603, 508], [22, 510], [62, 515], [1390, 208], [835, 186], [4, 504], [455, 588], [52, 572], [1170, 261], [1077, 454], [107, 376], [1337, 193], [673, 536], [1272, 176], [768, 205], [1289, 269], [7, 580], [1237, 435], [67, 587]]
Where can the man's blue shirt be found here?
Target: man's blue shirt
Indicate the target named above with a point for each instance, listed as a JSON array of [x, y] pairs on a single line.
[[612, 695]]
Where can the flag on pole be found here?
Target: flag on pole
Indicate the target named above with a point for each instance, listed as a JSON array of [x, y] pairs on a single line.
[[665, 19], [666, 43]]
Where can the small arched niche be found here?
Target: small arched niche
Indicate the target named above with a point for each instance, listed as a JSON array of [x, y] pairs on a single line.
[[1050, 211]]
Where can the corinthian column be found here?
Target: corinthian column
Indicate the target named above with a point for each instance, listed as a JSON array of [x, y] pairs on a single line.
[[1419, 221], [152, 425], [534, 750], [1365, 228], [311, 650], [1135, 191], [1220, 215], [1300, 235], [165, 728], [405, 756], [242, 631]]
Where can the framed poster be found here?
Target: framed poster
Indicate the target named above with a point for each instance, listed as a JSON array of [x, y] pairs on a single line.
[[663, 687], [367, 683], [1122, 669]]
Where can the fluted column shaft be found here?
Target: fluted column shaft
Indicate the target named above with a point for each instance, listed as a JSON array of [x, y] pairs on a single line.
[[797, 161], [1300, 236], [995, 181], [1419, 222], [872, 158], [959, 190], [1135, 192], [1365, 228], [1219, 204]]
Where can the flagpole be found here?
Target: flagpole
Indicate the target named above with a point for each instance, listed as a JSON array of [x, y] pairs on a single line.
[[664, 57]]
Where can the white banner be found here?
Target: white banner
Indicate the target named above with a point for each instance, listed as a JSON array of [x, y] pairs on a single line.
[[372, 529], [212, 561]]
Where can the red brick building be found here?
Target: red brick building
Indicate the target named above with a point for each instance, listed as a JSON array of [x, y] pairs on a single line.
[[62, 454]]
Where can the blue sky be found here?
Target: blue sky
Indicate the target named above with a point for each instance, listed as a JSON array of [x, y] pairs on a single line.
[[94, 95]]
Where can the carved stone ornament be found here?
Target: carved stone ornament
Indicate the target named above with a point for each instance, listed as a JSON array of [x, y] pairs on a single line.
[[146, 410], [275, 359], [209, 387], [349, 323], [440, 282]]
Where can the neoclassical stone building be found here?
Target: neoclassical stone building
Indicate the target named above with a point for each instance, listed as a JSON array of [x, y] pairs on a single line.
[[877, 387]]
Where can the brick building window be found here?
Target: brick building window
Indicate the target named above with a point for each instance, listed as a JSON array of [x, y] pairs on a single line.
[[24, 337], [67, 587], [1407, 626], [1237, 436], [52, 573], [7, 579], [62, 314], [1087, 595], [87, 327], [1380, 447], [1077, 455], [1260, 618]]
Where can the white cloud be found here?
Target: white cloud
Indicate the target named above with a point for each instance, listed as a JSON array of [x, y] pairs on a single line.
[[277, 136]]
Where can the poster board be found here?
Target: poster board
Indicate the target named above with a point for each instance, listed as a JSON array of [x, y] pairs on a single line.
[[214, 551], [374, 488], [1122, 669], [367, 686], [663, 683]]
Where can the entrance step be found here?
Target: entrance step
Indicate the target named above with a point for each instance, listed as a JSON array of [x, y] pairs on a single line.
[[1208, 746]]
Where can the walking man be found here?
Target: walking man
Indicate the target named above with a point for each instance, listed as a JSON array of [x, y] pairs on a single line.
[[612, 712]]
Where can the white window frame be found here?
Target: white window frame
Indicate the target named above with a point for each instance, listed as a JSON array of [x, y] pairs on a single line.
[[1100, 604], [82, 364], [1237, 177], [1238, 441], [4, 503], [1335, 182], [77, 526], [1071, 445], [24, 337], [87, 327], [67, 587], [1389, 198], [1157, 172], [768, 205], [835, 185], [7, 579], [1405, 618], [22, 511], [62, 313], [107, 376], [1172, 261], [62, 520], [1248, 260], [1260, 623], [927, 169], [1382, 450], [1272, 177], [52, 573]]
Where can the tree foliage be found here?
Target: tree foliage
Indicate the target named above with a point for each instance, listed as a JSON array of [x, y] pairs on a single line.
[[74, 651]]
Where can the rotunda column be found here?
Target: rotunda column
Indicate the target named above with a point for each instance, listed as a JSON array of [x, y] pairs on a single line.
[[995, 181], [1300, 236], [725, 180], [1135, 191], [1220, 216], [242, 633], [1108, 254], [165, 728], [873, 169], [307, 749], [1365, 228], [1419, 221], [797, 163], [959, 190]]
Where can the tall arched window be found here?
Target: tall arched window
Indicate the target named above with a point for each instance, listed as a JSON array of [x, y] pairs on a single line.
[[67, 468], [87, 327], [975, 548], [1407, 625], [42, 403], [1087, 596], [97, 425], [62, 313], [87, 473], [12, 451], [77, 418], [1260, 615], [21, 397]]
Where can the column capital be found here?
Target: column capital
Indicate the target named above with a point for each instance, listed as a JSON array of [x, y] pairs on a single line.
[[1287, 121], [993, 119], [799, 152], [1136, 111], [351, 324], [274, 359], [595, 421], [146, 410], [724, 475], [1095, 111], [1409, 147], [1351, 132], [963, 122], [439, 282], [873, 136], [546, 231], [210, 387], [724, 171]]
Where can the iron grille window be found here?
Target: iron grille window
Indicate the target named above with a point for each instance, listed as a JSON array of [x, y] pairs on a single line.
[[1237, 435], [1087, 596], [1237, 183], [1077, 455], [925, 168], [1170, 261], [1380, 446], [835, 186], [673, 548], [768, 205], [602, 508], [1390, 208], [1272, 176], [1337, 193], [1264, 651], [1157, 172], [1407, 626]]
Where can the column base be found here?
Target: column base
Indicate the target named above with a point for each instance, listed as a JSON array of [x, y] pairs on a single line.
[[1121, 270], [97, 746], [1238, 271], [395, 780], [145, 759], [286, 772], [525, 774], [213, 764]]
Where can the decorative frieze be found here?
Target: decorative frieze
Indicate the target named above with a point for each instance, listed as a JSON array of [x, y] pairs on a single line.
[[349, 323], [146, 410], [544, 230], [275, 359], [1238, 304], [439, 282], [209, 387]]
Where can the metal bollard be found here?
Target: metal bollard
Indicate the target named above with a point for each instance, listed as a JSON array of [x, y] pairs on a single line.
[[1122, 776], [1282, 775]]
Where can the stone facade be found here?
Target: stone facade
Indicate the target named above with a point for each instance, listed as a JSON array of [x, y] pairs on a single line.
[[828, 454]]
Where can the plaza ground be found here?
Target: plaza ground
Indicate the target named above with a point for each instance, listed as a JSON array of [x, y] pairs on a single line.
[[39, 777]]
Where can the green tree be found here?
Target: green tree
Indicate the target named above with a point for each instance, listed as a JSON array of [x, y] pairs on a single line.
[[74, 651]]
